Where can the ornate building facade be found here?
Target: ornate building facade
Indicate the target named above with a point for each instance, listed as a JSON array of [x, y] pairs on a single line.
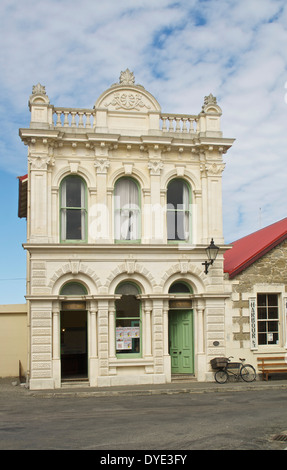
[[122, 200]]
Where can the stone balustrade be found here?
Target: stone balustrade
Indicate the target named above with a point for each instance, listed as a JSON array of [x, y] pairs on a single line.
[[74, 118], [180, 123], [86, 118]]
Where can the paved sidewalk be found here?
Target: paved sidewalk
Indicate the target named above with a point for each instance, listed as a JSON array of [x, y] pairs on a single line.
[[10, 387]]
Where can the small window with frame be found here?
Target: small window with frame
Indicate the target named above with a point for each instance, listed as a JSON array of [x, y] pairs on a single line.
[[267, 319]]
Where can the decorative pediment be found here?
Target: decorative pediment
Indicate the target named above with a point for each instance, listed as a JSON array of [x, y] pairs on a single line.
[[126, 96]]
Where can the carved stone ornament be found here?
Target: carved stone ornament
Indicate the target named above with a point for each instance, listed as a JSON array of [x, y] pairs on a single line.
[[127, 101], [209, 100], [40, 162], [39, 90], [155, 167], [127, 78], [102, 166], [213, 169]]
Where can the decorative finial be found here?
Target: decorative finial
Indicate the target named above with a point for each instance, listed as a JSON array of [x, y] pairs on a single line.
[[127, 78], [210, 99], [38, 90]]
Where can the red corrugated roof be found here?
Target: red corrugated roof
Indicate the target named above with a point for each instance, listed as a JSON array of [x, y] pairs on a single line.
[[248, 249], [23, 178]]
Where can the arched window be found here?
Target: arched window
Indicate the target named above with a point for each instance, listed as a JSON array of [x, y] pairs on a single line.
[[73, 209], [128, 321], [127, 210], [180, 301], [73, 288], [178, 211], [180, 288]]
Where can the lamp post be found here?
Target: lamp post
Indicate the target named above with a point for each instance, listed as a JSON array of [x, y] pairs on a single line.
[[211, 252]]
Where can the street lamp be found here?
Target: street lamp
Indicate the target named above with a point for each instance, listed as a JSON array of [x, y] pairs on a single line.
[[211, 252]]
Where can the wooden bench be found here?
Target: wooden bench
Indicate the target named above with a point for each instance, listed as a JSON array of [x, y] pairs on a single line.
[[272, 365]]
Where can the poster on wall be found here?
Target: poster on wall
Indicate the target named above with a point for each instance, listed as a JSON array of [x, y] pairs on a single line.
[[125, 335]]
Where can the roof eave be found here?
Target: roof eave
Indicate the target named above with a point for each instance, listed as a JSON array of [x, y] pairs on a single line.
[[258, 255]]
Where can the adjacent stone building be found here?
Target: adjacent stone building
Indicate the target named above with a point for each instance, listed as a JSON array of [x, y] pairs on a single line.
[[256, 313], [121, 202]]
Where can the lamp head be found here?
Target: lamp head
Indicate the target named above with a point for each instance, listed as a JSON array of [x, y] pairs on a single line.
[[212, 251]]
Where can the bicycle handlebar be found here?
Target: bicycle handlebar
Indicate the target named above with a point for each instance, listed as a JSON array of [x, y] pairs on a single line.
[[232, 357]]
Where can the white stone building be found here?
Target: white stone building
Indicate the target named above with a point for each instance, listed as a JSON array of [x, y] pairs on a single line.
[[122, 201]]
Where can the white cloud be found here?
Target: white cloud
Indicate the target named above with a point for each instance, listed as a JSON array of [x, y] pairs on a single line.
[[180, 51]]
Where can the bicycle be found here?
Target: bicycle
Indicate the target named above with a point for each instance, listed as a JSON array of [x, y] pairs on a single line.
[[244, 371]]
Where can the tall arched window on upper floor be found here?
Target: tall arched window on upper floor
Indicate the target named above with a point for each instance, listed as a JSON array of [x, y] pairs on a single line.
[[73, 210], [127, 210], [178, 211]]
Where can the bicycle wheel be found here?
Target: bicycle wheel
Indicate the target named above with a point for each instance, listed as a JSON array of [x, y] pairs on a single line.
[[221, 376], [248, 373]]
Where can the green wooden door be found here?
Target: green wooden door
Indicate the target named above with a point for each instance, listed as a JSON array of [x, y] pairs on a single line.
[[181, 341]]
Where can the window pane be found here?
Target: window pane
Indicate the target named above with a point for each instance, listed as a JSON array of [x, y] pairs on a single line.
[[180, 229], [127, 289], [128, 306], [73, 288], [262, 326], [178, 215], [261, 300], [74, 224], [73, 192], [127, 210], [262, 338], [179, 287], [171, 225], [262, 313], [175, 193], [272, 312], [272, 300], [127, 337], [272, 338], [273, 326]]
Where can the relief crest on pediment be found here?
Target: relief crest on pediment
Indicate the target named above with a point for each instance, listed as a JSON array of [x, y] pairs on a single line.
[[127, 101]]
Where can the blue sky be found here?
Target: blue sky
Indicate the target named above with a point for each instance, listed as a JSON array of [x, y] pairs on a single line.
[[180, 51]]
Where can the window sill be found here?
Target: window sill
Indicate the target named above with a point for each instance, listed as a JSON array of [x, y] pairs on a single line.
[[131, 362]]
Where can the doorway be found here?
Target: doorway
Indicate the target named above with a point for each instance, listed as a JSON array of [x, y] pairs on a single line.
[[74, 356], [181, 346]]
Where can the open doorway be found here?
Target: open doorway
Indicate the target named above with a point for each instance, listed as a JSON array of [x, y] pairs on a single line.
[[74, 357]]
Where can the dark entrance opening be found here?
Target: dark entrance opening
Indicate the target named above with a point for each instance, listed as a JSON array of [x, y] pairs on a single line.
[[74, 347]]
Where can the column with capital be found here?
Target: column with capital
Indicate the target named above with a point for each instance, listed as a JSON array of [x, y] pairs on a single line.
[[102, 164], [147, 334], [200, 341], [93, 349], [166, 355], [156, 210], [56, 350]]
